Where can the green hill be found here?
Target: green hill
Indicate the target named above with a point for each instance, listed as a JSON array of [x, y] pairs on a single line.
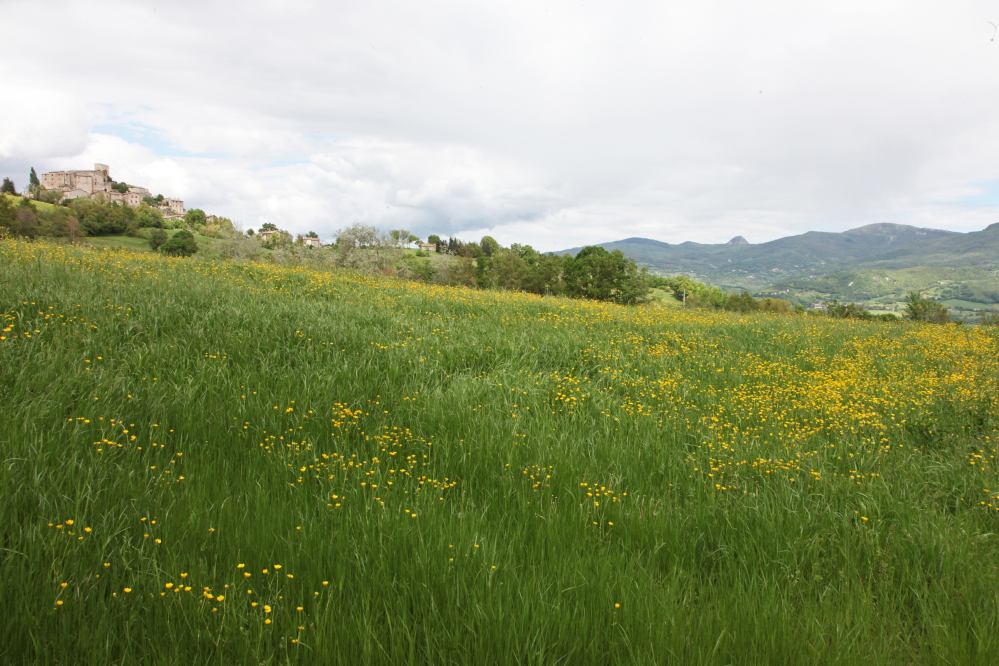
[[978, 248], [886, 287]]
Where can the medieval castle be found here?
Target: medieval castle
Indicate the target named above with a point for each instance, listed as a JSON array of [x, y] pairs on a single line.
[[97, 184]]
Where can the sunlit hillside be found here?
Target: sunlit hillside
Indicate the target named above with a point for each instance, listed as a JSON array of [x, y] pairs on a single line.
[[209, 462]]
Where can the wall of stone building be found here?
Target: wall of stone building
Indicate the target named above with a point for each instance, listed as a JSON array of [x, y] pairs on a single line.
[[83, 181], [175, 205], [55, 180], [133, 199]]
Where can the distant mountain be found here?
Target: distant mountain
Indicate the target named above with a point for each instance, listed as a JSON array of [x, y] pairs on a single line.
[[876, 264], [978, 248], [754, 267]]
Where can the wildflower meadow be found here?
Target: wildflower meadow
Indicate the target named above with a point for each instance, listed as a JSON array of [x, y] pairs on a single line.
[[240, 463]]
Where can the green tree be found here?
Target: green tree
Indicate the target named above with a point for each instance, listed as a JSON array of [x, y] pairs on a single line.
[[544, 275], [181, 245], [837, 310], [435, 240], [743, 302], [8, 215], [696, 294], [509, 270], [157, 238], [105, 219], [34, 185], [918, 308], [268, 226], [8, 187], [147, 216], [195, 216], [489, 246], [605, 276], [120, 187], [312, 234]]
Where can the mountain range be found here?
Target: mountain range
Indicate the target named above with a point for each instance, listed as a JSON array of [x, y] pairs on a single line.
[[859, 264]]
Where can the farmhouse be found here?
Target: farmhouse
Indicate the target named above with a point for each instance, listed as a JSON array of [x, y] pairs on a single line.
[[312, 242]]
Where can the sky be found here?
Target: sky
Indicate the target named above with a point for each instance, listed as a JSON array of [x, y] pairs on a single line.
[[555, 124]]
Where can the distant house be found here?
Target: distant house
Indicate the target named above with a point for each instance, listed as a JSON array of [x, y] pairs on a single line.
[[312, 242], [427, 247], [264, 235]]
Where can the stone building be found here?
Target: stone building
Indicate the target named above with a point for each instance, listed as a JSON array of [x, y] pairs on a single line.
[[97, 184], [76, 184]]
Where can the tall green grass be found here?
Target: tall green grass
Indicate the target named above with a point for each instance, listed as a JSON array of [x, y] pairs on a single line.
[[257, 384]]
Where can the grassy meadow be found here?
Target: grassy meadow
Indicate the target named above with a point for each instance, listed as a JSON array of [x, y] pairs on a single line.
[[227, 463]]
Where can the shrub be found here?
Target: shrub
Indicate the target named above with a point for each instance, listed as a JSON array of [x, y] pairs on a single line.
[[181, 245], [157, 238]]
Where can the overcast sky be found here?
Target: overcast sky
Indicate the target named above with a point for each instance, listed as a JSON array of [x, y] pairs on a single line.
[[551, 123]]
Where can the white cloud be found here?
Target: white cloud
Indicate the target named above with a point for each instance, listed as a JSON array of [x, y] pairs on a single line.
[[556, 123]]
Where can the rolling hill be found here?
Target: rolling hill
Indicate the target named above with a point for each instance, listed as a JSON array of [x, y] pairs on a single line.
[[877, 261]]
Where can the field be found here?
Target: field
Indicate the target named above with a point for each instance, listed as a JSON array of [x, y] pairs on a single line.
[[206, 244], [229, 463]]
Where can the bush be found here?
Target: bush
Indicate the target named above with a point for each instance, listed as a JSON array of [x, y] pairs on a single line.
[[181, 245], [104, 219], [157, 238], [918, 308]]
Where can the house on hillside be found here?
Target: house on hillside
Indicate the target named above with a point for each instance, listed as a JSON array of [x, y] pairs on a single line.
[[426, 247], [312, 242], [265, 235]]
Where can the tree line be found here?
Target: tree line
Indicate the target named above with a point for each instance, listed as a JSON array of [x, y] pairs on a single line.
[[593, 273]]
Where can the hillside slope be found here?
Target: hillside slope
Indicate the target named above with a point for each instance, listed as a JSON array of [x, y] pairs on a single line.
[[250, 463]]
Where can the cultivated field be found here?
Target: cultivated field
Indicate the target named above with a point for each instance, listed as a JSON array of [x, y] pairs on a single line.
[[247, 464]]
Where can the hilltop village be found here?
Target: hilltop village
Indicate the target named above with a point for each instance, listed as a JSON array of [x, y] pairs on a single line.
[[97, 184]]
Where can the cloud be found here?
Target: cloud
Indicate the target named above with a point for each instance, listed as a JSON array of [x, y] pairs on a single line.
[[556, 123]]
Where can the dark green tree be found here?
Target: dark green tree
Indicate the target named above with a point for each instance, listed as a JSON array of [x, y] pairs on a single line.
[[8, 187], [434, 239], [181, 245], [105, 219], [312, 234], [157, 238], [605, 276], [544, 275], [268, 226], [34, 185], [489, 246], [918, 308], [508, 270]]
